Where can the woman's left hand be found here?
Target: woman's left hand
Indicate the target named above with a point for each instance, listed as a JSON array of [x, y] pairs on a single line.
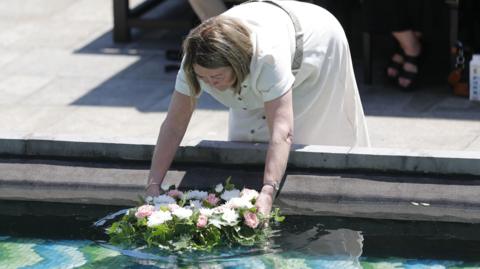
[[265, 200]]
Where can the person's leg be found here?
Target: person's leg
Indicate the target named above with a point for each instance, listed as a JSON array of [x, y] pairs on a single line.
[[395, 65], [410, 43], [207, 8]]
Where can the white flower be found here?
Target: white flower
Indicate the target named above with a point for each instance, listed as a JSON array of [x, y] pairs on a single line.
[[182, 213], [164, 187], [206, 211], [195, 204], [230, 216], [239, 202], [163, 200], [158, 217], [227, 195], [216, 222], [196, 195], [148, 199], [219, 188], [249, 194], [219, 209]]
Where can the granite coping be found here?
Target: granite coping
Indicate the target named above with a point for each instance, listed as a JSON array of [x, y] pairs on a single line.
[[239, 153], [26, 183]]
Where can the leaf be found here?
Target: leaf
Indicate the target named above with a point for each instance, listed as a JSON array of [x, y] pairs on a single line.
[[182, 243], [158, 235], [183, 235], [229, 186], [276, 215]]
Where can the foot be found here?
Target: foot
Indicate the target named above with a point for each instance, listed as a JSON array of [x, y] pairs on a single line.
[[409, 72], [396, 62]]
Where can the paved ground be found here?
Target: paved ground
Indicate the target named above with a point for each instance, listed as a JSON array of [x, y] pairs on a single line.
[[62, 77]]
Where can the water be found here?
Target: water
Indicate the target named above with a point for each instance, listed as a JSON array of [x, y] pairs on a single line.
[[304, 242]]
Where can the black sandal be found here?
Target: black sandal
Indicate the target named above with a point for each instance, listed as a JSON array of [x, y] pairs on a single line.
[[397, 66], [405, 74]]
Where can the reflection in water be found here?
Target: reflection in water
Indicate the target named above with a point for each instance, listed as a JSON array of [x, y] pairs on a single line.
[[304, 242], [320, 247], [299, 245]]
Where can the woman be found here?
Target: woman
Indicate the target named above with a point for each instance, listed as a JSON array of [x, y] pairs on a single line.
[[244, 59]]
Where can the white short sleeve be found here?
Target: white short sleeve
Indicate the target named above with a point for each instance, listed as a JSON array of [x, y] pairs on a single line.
[[275, 78], [181, 84], [272, 68]]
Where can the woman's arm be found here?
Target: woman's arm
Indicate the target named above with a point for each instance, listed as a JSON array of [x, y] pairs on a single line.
[[279, 113], [171, 133]]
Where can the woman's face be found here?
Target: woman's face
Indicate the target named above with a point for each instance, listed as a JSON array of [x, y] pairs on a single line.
[[220, 78]]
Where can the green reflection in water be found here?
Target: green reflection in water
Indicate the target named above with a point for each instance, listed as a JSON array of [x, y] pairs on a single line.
[[305, 242]]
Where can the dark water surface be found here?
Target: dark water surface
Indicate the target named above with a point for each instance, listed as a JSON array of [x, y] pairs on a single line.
[[69, 241]]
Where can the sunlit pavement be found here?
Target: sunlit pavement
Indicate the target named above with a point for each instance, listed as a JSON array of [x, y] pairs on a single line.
[[63, 78]]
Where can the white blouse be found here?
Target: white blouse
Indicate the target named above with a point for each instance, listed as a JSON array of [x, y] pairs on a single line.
[[326, 103]]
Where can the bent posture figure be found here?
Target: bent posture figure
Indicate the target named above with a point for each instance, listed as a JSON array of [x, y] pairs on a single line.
[[279, 69]]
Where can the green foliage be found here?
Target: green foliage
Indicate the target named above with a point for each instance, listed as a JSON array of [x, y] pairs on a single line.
[[229, 186], [180, 232], [276, 215], [125, 232], [183, 235]]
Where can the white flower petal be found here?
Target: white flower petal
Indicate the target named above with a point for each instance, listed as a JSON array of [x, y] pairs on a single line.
[[206, 211], [230, 216], [182, 213], [239, 202], [216, 222], [249, 194], [219, 188], [158, 217]]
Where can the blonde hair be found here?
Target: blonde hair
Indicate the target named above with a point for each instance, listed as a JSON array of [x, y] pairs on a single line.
[[217, 42]]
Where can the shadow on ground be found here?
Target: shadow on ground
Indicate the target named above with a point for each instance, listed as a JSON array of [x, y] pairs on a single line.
[[148, 83]]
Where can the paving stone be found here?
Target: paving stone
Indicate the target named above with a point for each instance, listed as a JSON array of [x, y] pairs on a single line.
[[421, 133], [153, 67], [62, 77], [140, 94], [87, 11], [50, 34], [102, 122], [30, 119], [383, 101], [62, 91], [16, 88], [32, 9], [68, 64], [207, 125]]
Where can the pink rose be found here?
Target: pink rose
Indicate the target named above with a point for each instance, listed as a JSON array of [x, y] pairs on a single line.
[[175, 194], [202, 221], [251, 219], [212, 199], [144, 211]]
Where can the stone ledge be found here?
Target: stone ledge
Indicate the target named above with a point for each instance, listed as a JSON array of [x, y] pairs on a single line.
[[222, 152]]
